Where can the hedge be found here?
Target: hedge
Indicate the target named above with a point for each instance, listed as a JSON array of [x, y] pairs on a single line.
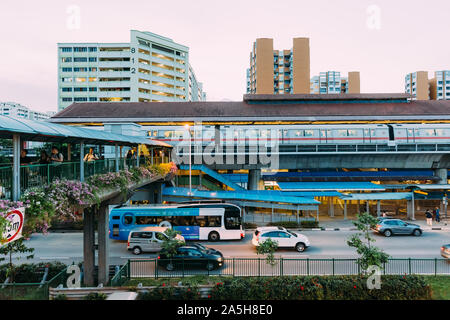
[[409, 287], [32, 272], [300, 288]]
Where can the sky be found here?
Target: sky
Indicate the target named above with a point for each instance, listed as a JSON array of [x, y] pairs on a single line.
[[383, 39]]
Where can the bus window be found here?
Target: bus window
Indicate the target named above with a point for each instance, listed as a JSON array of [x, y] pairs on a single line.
[[128, 219], [143, 220], [201, 221], [214, 221], [232, 223]]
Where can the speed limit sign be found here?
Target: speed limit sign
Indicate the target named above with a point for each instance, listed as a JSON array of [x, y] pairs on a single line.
[[14, 228]]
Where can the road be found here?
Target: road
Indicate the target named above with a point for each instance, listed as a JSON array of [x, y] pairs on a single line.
[[68, 247]]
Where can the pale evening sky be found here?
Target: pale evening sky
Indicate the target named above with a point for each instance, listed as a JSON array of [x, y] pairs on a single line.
[[412, 36]]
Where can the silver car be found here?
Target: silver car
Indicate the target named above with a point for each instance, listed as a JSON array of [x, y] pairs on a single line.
[[445, 251], [389, 227], [148, 239]]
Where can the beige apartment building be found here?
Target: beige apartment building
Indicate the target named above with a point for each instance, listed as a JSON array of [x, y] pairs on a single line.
[[288, 72], [422, 88], [279, 71]]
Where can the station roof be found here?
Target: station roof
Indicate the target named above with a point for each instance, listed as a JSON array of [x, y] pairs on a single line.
[[238, 195], [330, 186], [268, 108], [32, 130]]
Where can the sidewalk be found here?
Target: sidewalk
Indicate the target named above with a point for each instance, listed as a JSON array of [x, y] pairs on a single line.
[[339, 224]]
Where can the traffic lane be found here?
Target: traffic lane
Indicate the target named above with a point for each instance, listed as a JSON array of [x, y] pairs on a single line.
[[68, 247]]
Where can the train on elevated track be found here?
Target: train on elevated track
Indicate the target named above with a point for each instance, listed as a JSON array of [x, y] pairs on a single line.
[[355, 134]]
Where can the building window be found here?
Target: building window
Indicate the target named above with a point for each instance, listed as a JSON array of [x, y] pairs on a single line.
[[80, 99], [80, 49], [66, 49], [93, 89], [66, 59], [79, 89], [66, 99], [66, 89], [79, 59], [92, 59], [66, 79], [92, 99], [92, 49], [66, 69]]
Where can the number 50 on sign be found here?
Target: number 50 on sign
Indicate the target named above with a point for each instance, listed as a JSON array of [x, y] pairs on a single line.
[[14, 228]]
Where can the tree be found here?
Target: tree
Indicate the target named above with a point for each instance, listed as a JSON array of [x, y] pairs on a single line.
[[369, 254], [17, 246], [171, 243], [268, 248]]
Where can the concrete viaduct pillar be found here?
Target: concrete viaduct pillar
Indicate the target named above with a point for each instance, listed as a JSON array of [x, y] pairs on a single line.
[[103, 244], [88, 247], [254, 179], [442, 174]]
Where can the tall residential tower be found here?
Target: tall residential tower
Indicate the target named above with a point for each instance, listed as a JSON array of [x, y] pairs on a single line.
[[148, 68], [279, 71]]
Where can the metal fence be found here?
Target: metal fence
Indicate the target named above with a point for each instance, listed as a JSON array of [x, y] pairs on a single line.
[[31, 291], [258, 267], [37, 175]]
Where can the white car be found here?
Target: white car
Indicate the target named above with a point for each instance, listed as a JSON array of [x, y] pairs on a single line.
[[284, 238]]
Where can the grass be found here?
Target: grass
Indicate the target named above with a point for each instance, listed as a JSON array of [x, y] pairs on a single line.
[[440, 287]]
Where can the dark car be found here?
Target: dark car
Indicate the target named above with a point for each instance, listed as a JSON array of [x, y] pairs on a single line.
[[389, 227], [206, 249], [192, 256]]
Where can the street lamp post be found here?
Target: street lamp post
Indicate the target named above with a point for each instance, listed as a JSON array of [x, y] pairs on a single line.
[[190, 159]]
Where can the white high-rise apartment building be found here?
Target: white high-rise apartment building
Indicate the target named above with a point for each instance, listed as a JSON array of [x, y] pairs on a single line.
[[16, 110], [148, 68], [329, 82]]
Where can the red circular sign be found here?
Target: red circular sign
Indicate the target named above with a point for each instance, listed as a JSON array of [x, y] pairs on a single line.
[[13, 216]]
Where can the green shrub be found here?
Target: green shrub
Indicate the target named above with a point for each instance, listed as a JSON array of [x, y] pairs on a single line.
[[321, 288], [164, 292], [285, 224], [309, 224], [95, 296], [32, 272], [60, 297]]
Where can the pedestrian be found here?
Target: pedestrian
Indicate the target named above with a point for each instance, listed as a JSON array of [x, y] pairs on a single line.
[[44, 159], [437, 216], [56, 159], [91, 156], [429, 217], [384, 214]]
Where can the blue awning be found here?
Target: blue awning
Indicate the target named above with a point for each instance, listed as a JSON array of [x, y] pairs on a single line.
[[32, 130], [378, 196], [306, 194], [329, 186], [238, 195]]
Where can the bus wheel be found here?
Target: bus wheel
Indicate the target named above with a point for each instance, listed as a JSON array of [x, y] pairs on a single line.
[[213, 236]]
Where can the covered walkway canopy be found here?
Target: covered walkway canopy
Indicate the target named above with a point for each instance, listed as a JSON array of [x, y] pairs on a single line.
[[330, 186], [378, 196], [244, 198], [30, 130]]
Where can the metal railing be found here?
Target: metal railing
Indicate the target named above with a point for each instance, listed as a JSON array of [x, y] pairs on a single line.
[[257, 267], [31, 291], [37, 175], [315, 148]]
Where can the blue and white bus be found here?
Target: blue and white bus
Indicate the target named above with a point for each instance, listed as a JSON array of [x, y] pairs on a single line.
[[195, 221]]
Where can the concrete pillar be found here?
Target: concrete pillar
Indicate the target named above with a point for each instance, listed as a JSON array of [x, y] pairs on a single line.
[[103, 244], [116, 151], [378, 208], [345, 209], [442, 175], [367, 206], [88, 247], [69, 152], [298, 216], [254, 177], [331, 207], [159, 196], [16, 168]]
